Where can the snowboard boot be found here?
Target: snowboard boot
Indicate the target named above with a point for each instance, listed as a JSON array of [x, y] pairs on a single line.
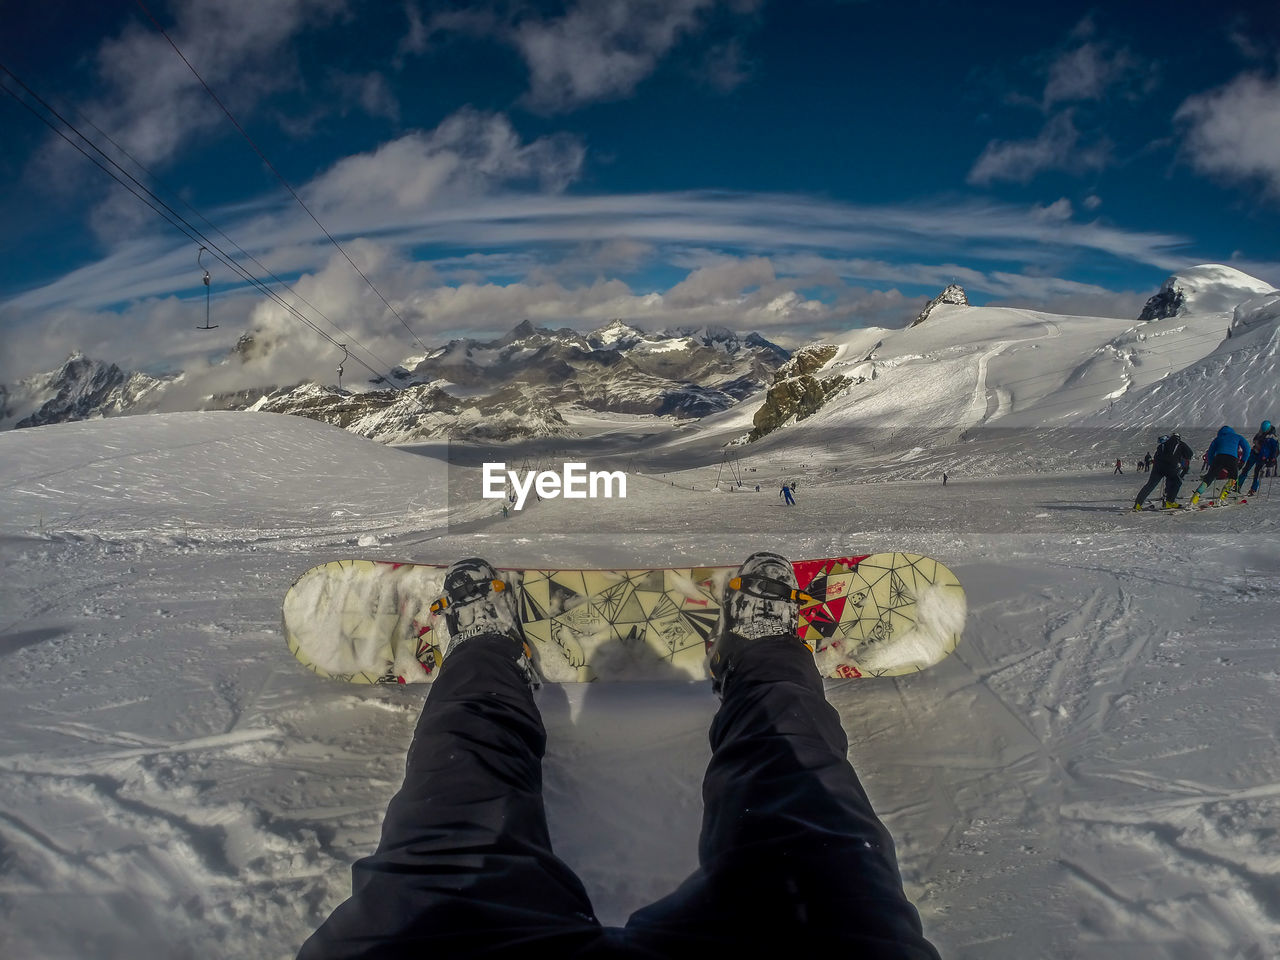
[[761, 602], [477, 602]]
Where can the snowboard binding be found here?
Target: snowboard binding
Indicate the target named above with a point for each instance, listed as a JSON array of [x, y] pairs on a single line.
[[476, 602], [761, 602]]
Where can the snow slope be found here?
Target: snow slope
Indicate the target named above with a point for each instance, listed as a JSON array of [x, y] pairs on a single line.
[[993, 391], [1093, 773]]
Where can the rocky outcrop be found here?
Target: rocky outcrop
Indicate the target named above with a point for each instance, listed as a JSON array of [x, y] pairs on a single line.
[[954, 293], [798, 392], [1165, 303]]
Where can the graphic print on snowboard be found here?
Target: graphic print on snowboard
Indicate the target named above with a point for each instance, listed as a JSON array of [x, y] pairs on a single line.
[[369, 621]]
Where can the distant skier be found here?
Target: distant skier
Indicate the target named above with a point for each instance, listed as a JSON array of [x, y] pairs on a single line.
[[1264, 445], [944, 478], [1223, 455], [1171, 450], [1118, 468], [785, 493], [1147, 461]]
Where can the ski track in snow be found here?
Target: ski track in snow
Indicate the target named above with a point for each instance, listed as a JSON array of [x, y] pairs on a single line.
[[1094, 772]]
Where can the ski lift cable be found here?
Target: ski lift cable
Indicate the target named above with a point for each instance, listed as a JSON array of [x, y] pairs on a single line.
[[216, 229], [166, 212], [147, 196], [279, 176], [183, 226]]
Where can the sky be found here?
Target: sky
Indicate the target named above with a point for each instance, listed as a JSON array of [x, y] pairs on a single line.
[[796, 168]]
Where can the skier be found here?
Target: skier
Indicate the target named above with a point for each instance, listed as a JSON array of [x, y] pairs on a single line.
[[1223, 454], [1117, 469], [785, 492], [1146, 463], [1264, 444], [944, 478], [792, 859], [1171, 449]]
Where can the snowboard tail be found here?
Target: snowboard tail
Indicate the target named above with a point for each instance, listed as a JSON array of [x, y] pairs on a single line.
[[369, 621]]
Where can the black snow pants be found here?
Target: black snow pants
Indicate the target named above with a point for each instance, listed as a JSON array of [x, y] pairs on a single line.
[[791, 855], [1168, 472], [1223, 461]]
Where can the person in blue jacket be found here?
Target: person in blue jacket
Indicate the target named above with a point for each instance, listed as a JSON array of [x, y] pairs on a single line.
[[1224, 453], [1264, 449]]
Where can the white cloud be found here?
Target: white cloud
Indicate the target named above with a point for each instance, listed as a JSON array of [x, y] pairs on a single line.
[[721, 282], [563, 232], [1057, 147], [600, 49], [469, 153], [1086, 72], [596, 50], [154, 104], [1059, 210], [1234, 131]]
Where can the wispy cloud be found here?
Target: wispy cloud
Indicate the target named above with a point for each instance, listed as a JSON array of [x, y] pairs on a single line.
[[1234, 131], [243, 48], [596, 50], [1087, 71], [1091, 71]]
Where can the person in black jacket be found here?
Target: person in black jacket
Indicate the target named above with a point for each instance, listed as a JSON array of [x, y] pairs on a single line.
[[1166, 465]]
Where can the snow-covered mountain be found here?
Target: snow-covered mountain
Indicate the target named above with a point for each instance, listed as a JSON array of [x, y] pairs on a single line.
[[512, 387], [973, 372], [1208, 288], [78, 390], [685, 372], [1204, 356]]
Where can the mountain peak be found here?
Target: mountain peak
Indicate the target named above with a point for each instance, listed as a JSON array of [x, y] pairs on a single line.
[[614, 333], [524, 328], [1207, 288], [953, 293]]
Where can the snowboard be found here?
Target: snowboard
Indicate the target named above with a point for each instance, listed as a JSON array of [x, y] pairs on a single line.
[[369, 621]]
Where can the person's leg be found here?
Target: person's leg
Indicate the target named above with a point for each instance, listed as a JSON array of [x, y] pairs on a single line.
[[1147, 487], [1172, 483], [1257, 475], [465, 865], [791, 854]]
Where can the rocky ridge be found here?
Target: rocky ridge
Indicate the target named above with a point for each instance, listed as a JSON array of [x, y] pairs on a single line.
[[952, 293]]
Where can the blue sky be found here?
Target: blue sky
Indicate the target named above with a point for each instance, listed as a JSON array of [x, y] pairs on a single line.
[[792, 167]]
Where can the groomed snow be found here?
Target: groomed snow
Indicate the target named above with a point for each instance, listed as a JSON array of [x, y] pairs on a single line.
[[1094, 772]]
